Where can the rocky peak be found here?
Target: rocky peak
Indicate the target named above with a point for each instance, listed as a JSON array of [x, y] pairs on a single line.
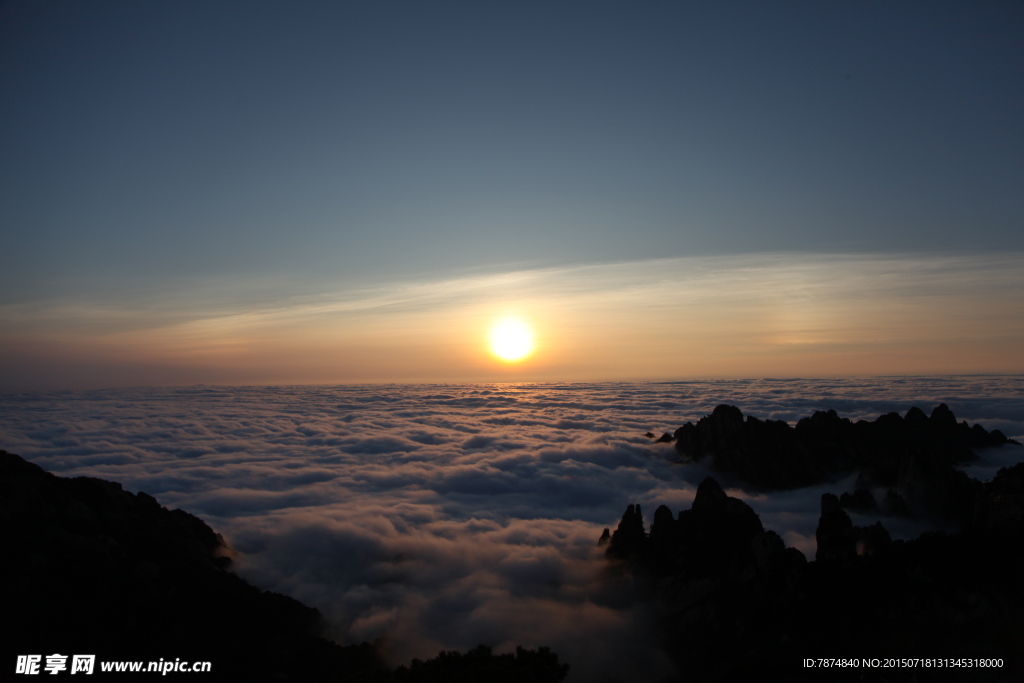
[[710, 498], [630, 538]]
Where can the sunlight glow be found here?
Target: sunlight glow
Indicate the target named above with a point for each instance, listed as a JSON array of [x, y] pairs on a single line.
[[511, 340]]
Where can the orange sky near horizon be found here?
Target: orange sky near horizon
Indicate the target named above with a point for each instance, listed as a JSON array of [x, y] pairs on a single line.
[[776, 316]]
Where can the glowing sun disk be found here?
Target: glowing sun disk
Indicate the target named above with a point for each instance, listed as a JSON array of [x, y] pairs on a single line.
[[511, 340]]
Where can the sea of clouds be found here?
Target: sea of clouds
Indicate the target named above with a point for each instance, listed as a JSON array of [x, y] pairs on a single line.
[[443, 516]]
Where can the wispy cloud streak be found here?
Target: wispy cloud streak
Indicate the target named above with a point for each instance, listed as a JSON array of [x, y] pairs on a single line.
[[793, 314]]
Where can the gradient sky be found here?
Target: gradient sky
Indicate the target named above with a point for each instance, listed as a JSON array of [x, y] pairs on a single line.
[[266, 192]]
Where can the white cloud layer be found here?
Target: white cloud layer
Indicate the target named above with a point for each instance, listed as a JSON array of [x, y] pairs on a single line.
[[442, 516]]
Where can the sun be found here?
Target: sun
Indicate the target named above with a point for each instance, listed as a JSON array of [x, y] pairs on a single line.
[[511, 340]]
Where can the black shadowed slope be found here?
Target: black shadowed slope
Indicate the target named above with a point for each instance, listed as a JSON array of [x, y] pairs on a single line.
[[481, 665], [92, 569]]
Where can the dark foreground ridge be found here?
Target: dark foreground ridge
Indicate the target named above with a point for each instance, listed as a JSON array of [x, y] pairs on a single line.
[[736, 605], [93, 569]]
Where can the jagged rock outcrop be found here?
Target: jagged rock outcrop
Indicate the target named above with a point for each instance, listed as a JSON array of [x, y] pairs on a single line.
[[721, 576], [861, 500], [893, 505], [763, 453], [915, 455], [716, 533], [839, 541], [630, 538], [736, 604], [664, 438], [999, 508]]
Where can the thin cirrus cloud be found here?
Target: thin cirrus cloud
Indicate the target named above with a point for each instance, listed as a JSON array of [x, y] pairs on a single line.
[[792, 314], [441, 516]]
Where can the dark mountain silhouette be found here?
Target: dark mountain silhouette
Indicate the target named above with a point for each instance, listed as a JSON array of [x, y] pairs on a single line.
[[481, 665], [737, 605], [913, 457], [93, 569]]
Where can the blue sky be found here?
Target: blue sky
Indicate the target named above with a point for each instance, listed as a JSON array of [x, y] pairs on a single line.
[[251, 152]]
